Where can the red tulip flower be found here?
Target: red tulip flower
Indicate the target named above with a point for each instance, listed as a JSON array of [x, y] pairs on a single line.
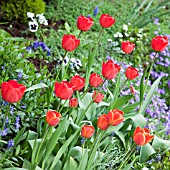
[[53, 117], [159, 43], [106, 20], [142, 136], [63, 90], [87, 131], [131, 73], [11, 91], [84, 23], [102, 122], [110, 70], [73, 102], [70, 42], [95, 80], [97, 96], [78, 82], [127, 47], [115, 117]]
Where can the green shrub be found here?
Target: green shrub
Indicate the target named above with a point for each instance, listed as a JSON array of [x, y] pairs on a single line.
[[17, 9]]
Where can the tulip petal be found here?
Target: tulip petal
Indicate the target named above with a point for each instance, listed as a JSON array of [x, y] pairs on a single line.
[[139, 139]]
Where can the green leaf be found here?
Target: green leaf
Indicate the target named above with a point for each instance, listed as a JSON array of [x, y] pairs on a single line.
[[18, 137], [4, 33], [149, 96], [37, 86], [16, 39], [130, 107], [160, 143], [120, 102], [70, 164], [142, 86], [63, 149], [54, 139], [76, 152], [67, 27], [128, 167], [145, 152], [13, 168], [83, 163]]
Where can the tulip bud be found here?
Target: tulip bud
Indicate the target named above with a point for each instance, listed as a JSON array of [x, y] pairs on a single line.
[[102, 122], [131, 73], [106, 20], [87, 131], [97, 97], [127, 47], [53, 117], [132, 89], [95, 80], [73, 102], [77, 82]]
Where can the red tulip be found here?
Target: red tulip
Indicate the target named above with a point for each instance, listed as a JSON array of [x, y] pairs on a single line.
[[97, 96], [53, 117], [102, 122], [73, 102], [87, 131], [70, 42], [127, 47], [142, 136], [131, 73], [78, 82], [115, 117], [11, 91], [132, 89], [159, 43], [106, 20], [110, 70], [63, 90], [95, 80], [84, 23]]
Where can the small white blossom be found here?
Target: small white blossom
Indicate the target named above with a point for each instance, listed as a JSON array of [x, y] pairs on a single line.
[[125, 27], [65, 61], [140, 35], [144, 168], [115, 35], [140, 30], [132, 39], [119, 34], [33, 26], [42, 19], [31, 16], [109, 40], [126, 34]]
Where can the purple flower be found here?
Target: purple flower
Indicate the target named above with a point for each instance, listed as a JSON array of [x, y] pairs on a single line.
[[19, 75], [156, 21], [169, 84], [96, 10], [29, 48], [10, 143], [17, 125], [36, 44], [4, 132]]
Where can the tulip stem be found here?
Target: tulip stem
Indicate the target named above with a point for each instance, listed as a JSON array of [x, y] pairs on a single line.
[[59, 103], [61, 65], [123, 84], [128, 156], [83, 147], [62, 106], [42, 141], [85, 92]]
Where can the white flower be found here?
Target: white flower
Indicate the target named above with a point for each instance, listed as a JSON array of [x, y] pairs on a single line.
[[125, 27], [140, 35], [31, 15], [109, 40], [144, 168], [132, 39], [42, 19], [33, 26], [126, 34], [140, 30], [119, 34], [115, 35], [65, 61]]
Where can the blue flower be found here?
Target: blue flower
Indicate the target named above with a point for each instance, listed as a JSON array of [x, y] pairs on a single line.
[[10, 143], [96, 10]]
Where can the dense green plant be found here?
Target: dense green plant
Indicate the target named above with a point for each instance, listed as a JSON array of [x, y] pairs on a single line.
[[17, 9]]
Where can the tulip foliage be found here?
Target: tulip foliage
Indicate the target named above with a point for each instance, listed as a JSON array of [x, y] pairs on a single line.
[[82, 124]]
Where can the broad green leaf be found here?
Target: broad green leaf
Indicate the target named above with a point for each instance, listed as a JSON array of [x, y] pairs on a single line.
[[145, 152], [39, 124], [26, 164], [54, 139], [70, 164], [130, 107], [76, 152], [67, 27], [4, 33], [160, 143], [120, 102], [37, 86], [83, 162], [149, 96], [142, 86], [15, 39], [63, 149]]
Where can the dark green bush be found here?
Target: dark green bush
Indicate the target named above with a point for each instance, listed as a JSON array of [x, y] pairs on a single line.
[[17, 9]]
